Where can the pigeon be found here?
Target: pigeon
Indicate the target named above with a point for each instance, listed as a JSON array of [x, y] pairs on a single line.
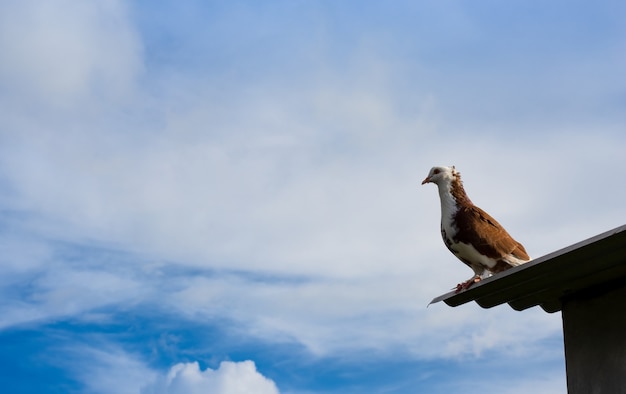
[[470, 233]]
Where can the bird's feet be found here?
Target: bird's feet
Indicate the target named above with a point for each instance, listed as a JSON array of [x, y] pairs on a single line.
[[467, 284]]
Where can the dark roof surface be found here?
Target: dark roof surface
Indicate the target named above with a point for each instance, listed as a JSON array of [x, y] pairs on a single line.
[[597, 263]]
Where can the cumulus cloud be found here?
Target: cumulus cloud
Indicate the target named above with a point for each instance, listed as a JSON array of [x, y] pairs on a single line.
[[228, 378]]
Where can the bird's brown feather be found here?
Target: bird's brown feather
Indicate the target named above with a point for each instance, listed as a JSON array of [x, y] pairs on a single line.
[[478, 228]]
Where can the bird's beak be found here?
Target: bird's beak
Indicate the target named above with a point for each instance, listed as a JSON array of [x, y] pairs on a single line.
[[426, 180]]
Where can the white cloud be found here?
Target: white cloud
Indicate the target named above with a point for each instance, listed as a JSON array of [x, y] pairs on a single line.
[[228, 378]]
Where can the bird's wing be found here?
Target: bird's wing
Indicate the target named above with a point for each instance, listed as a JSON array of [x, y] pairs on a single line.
[[487, 235]]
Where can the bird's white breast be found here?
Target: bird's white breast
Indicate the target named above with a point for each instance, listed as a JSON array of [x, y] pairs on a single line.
[[449, 208]]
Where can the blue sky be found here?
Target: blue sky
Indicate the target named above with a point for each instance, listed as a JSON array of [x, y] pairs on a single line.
[[224, 197]]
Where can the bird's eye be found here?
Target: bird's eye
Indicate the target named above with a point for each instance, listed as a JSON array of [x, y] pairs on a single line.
[[436, 171]]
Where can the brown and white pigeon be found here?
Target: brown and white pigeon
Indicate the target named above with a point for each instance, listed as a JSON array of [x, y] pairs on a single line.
[[470, 233]]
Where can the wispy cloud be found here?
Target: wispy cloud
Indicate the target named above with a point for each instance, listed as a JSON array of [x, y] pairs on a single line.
[[105, 368]]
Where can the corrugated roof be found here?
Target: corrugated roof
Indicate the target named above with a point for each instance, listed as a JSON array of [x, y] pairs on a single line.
[[597, 263]]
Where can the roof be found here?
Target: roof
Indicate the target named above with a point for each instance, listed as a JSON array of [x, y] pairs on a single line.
[[596, 263]]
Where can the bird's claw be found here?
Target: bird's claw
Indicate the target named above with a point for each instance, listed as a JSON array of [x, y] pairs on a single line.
[[467, 284]]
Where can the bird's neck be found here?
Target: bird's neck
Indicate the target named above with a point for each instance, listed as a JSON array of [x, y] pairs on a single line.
[[452, 196], [458, 192]]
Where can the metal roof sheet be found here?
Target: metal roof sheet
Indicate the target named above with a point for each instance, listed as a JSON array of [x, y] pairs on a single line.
[[595, 264]]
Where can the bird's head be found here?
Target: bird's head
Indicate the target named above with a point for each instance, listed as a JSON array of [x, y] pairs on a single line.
[[441, 175]]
